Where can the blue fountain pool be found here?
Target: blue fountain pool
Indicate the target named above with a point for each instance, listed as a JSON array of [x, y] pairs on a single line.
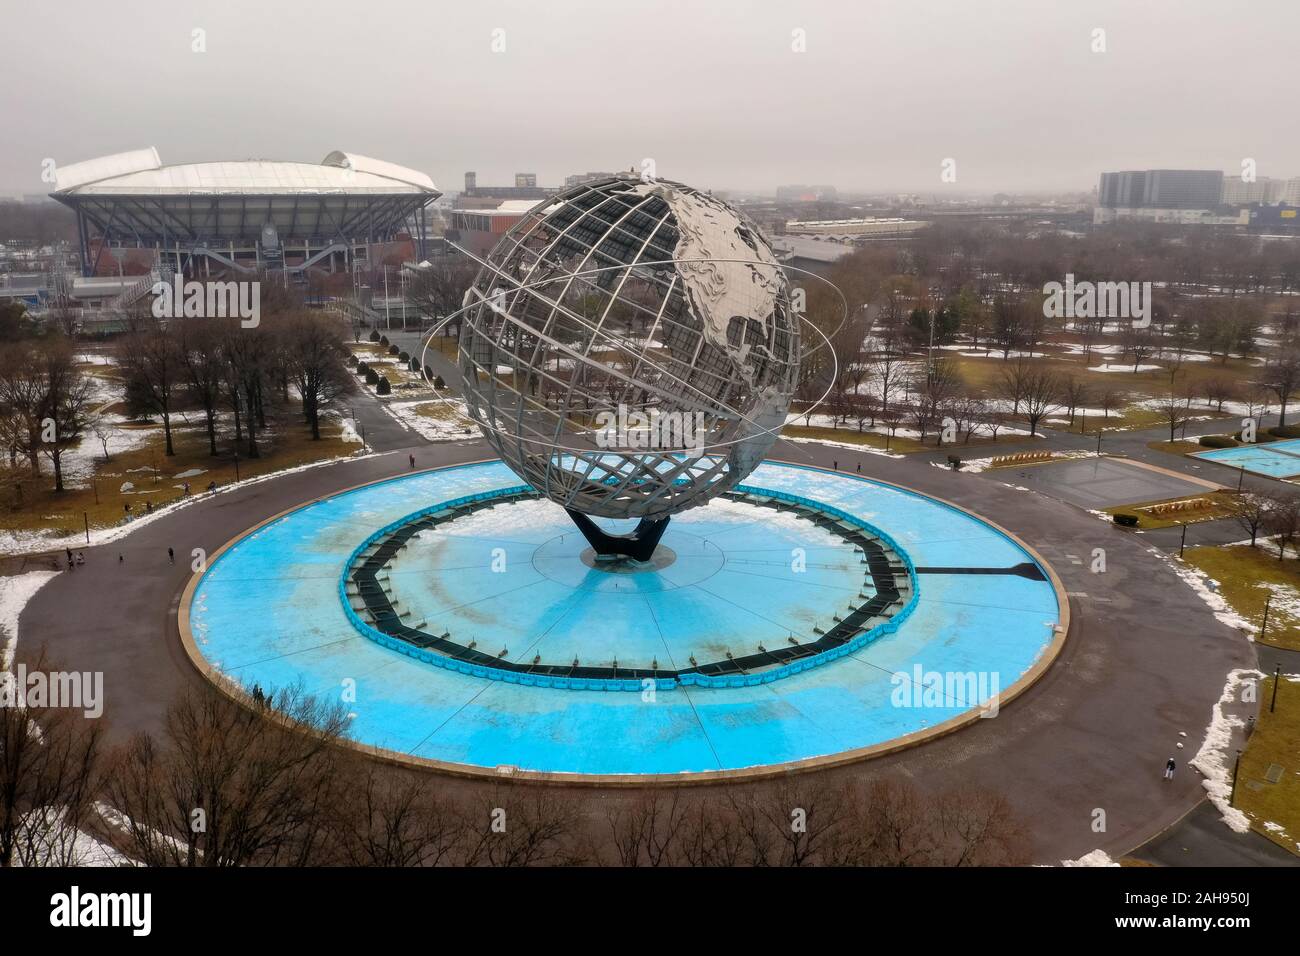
[[512, 580]]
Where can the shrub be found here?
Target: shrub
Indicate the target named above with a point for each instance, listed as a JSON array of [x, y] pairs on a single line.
[[1285, 431], [404, 357], [1126, 520], [353, 360], [414, 365], [428, 374], [374, 335], [1218, 441], [383, 388], [372, 377], [393, 350], [383, 340], [1260, 437], [438, 382], [362, 368]]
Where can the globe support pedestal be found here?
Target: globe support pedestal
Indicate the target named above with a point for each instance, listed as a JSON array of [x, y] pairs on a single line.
[[638, 544]]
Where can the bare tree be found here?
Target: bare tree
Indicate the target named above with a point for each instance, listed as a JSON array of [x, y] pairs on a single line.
[[1250, 509], [229, 786], [1282, 521], [1075, 392], [1281, 376], [51, 768], [646, 831], [1042, 394], [150, 363], [316, 353], [532, 826], [1218, 390], [389, 817], [1175, 411]]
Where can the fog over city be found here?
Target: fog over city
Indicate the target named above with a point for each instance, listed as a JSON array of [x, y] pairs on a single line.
[[1024, 95]]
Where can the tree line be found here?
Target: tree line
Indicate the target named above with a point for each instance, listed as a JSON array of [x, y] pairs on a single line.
[[222, 784], [230, 373]]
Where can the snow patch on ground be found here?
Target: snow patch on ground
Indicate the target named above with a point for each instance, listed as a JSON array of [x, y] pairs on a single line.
[[1207, 589], [1212, 759], [450, 428], [1095, 858], [1108, 367], [863, 449], [15, 592], [1285, 598]]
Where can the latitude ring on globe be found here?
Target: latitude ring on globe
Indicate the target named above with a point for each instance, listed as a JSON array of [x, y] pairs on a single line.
[[630, 350]]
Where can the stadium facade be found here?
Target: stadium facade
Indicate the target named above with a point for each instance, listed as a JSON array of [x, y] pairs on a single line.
[[224, 219]]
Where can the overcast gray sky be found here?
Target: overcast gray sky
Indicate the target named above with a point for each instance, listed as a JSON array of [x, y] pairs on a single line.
[[713, 91]]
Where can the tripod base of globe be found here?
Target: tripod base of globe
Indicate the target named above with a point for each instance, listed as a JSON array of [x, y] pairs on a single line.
[[637, 545]]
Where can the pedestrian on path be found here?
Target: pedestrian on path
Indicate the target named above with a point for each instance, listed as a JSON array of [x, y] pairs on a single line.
[[171, 556], [119, 557], [412, 457], [81, 558], [859, 468], [835, 465], [1169, 768]]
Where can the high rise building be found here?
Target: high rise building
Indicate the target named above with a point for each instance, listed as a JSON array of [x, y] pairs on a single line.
[[525, 180], [1161, 189]]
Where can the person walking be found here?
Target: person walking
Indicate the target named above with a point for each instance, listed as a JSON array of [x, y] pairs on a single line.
[[171, 556], [835, 465], [81, 558], [1170, 766], [412, 457]]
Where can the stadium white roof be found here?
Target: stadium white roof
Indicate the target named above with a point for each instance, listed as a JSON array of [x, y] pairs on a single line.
[[141, 173]]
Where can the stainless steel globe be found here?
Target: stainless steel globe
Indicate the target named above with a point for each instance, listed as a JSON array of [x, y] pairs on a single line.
[[629, 348]]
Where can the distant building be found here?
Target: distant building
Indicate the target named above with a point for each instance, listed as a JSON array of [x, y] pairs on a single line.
[[478, 230], [1104, 215], [855, 228], [221, 219], [578, 179], [1262, 190], [490, 197], [812, 255], [1161, 189]]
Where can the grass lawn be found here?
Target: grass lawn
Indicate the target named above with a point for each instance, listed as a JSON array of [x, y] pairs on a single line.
[[1177, 447], [1275, 745], [38, 508], [1247, 576], [851, 436]]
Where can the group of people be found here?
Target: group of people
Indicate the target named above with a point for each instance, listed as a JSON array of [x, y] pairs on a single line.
[[73, 562]]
